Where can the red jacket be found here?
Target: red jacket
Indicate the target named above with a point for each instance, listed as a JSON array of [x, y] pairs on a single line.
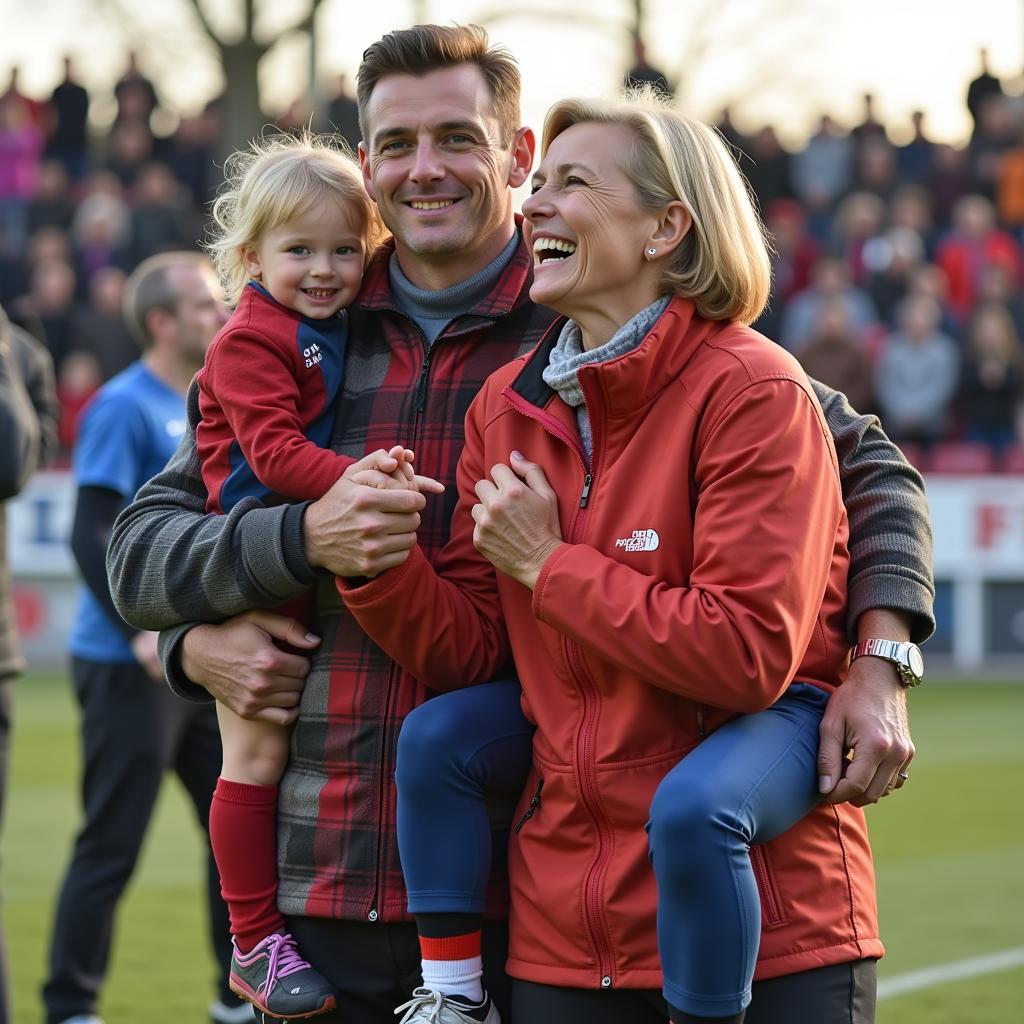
[[704, 568]]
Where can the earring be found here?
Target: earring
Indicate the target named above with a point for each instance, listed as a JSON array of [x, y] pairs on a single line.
[[651, 253]]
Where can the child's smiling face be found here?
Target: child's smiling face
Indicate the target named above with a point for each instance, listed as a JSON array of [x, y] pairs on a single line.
[[312, 262]]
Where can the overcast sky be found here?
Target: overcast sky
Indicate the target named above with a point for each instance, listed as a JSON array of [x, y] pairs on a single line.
[[785, 62]]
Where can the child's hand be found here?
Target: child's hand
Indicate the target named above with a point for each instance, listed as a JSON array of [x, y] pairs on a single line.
[[392, 469]]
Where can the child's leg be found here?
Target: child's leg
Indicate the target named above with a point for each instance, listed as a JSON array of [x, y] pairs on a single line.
[[266, 968], [746, 783], [243, 824], [453, 751]]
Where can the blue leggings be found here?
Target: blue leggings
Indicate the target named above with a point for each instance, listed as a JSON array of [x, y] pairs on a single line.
[[746, 783]]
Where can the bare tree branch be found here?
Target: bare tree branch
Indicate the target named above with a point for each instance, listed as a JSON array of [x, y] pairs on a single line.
[[207, 27]]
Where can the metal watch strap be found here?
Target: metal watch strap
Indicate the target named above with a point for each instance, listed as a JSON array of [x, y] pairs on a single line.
[[890, 650]]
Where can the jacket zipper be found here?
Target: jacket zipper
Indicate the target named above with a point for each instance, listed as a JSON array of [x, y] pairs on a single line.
[[585, 736], [532, 809]]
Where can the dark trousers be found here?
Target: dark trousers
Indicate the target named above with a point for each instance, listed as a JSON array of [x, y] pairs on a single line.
[[133, 729], [6, 694], [840, 994], [375, 967]]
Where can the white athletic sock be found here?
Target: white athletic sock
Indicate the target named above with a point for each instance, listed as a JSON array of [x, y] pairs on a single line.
[[455, 977]]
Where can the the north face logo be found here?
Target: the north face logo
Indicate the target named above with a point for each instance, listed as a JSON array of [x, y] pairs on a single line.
[[640, 540]]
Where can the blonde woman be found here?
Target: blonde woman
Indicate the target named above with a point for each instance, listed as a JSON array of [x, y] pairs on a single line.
[[654, 496]]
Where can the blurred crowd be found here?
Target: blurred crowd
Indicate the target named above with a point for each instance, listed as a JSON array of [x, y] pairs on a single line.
[[897, 268]]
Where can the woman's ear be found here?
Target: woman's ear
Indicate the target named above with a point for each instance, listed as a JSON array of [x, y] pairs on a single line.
[[674, 222]]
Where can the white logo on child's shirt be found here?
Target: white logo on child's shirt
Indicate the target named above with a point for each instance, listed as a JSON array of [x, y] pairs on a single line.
[[312, 355]]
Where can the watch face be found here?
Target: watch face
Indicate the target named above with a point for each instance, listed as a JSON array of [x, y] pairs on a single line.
[[915, 661]]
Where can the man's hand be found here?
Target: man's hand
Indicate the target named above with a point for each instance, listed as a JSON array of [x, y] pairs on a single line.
[[238, 663], [363, 528], [144, 646], [517, 525], [867, 714]]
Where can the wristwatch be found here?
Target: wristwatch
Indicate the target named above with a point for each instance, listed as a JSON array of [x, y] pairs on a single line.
[[902, 653]]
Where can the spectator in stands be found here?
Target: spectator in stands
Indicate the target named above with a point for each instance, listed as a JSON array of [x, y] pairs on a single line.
[[135, 95], [160, 219], [890, 259], [191, 154], [950, 179], [78, 380], [793, 254], [870, 127], [911, 207], [822, 172], [930, 281], [101, 233], [343, 114], [100, 327], [992, 381], [28, 437], [642, 72], [49, 305], [877, 167], [859, 219], [915, 158], [131, 148], [917, 373], [837, 357], [829, 279], [994, 137], [768, 169], [997, 284], [69, 106], [974, 242], [21, 146], [13, 94], [982, 88], [51, 206]]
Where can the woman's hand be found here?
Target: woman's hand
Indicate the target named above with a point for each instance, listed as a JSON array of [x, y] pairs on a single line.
[[516, 519]]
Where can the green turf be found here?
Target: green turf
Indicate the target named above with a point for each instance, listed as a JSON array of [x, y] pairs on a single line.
[[949, 851]]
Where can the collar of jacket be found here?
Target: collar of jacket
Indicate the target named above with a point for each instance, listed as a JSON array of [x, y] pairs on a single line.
[[511, 290], [630, 381]]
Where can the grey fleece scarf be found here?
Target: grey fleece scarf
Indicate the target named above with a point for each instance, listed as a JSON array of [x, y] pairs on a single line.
[[568, 355]]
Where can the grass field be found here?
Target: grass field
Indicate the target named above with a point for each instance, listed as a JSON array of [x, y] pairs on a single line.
[[949, 850]]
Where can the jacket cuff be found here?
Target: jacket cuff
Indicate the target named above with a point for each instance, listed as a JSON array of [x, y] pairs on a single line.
[[358, 592], [169, 648], [293, 548], [899, 592], [539, 591]]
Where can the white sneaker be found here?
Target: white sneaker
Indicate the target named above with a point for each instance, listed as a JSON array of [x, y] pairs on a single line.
[[431, 1007], [83, 1018], [221, 1013]]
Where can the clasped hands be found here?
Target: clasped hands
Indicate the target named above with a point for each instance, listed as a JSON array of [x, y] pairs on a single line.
[[367, 522]]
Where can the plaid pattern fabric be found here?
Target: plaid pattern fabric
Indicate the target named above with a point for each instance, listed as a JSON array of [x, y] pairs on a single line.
[[336, 824]]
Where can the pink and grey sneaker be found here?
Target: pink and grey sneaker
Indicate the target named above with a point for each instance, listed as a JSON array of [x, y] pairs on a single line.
[[277, 981]]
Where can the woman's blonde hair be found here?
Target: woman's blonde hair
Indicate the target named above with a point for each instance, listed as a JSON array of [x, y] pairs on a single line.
[[272, 181], [722, 263]]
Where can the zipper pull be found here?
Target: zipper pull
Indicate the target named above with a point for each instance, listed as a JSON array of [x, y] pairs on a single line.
[[534, 804], [586, 490], [421, 386]]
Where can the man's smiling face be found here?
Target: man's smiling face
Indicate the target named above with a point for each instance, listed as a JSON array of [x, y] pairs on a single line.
[[440, 169]]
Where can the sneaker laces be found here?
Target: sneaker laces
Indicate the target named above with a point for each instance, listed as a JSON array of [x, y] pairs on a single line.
[[283, 959], [421, 998]]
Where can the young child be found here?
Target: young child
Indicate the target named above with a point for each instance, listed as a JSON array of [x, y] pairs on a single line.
[[294, 229]]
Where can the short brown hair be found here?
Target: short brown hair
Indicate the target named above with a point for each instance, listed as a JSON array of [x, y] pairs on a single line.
[[722, 263], [149, 287], [424, 48]]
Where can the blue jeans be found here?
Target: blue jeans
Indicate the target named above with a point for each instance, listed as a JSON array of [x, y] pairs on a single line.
[[746, 783]]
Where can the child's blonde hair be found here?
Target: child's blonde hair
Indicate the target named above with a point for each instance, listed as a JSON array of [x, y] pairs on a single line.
[[272, 181]]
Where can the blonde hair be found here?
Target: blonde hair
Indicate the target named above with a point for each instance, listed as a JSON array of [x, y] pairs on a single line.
[[272, 181], [722, 263]]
